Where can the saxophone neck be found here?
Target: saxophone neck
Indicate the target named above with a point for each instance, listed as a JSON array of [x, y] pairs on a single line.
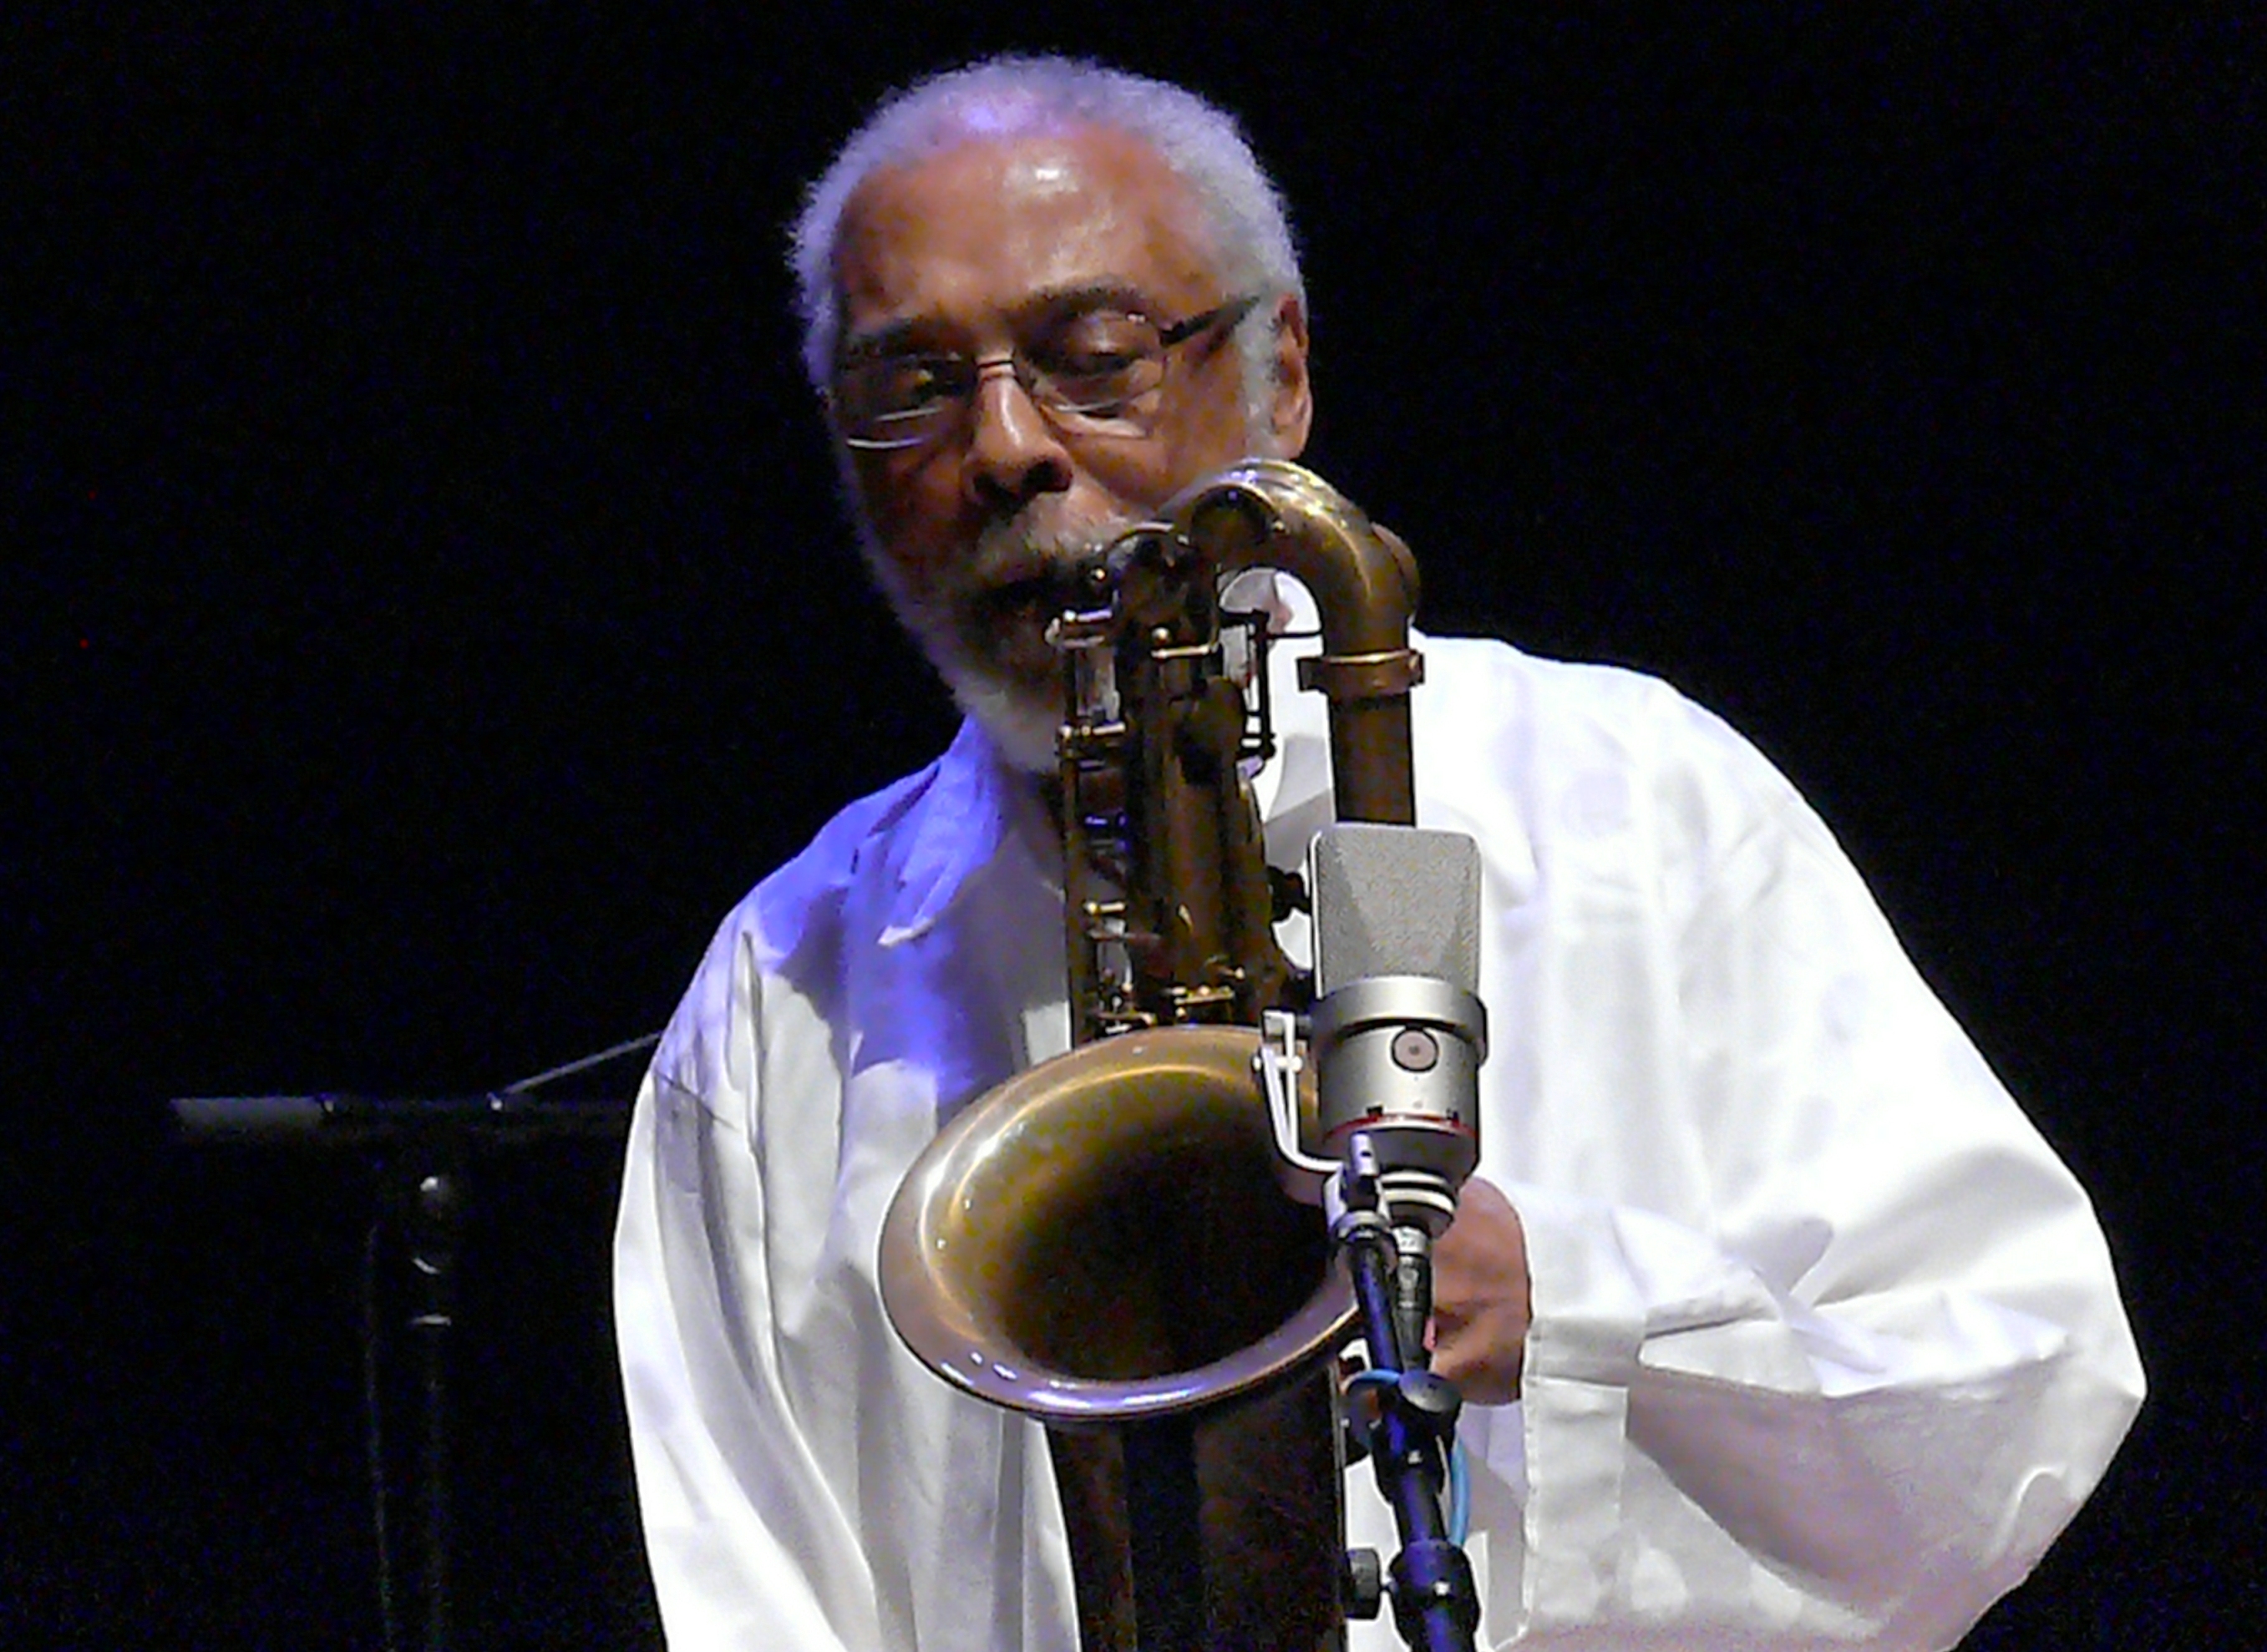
[[1168, 901]]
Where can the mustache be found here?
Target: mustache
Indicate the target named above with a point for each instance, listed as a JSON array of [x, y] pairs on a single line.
[[1019, 563]]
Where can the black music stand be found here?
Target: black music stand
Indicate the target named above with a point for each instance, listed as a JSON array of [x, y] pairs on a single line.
[[422, 1150]]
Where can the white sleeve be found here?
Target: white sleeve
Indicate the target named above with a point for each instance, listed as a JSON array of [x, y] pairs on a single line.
[[1842, 1353], [746, 1543]]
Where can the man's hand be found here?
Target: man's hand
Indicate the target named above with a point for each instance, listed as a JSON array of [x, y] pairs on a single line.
[[1480, 1296]]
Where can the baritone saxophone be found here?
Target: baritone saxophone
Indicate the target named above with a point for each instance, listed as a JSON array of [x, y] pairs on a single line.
[[1105, 1242]]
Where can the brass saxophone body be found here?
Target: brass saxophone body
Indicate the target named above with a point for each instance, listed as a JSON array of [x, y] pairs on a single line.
[[1105, 1241]]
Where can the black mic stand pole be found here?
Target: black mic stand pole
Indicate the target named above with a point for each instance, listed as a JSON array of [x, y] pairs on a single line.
[[1435, 1602]]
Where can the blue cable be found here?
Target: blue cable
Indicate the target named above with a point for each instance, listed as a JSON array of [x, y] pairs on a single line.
[[1460, 1494]]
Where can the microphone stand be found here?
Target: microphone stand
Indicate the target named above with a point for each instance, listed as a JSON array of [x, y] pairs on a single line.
[[421, 1147], [1435, 1602], [1398, 1035]]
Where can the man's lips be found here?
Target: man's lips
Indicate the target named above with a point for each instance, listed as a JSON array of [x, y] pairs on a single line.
[[1036, 594]]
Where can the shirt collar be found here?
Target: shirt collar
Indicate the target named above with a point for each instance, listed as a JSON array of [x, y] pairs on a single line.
[[975, 810]]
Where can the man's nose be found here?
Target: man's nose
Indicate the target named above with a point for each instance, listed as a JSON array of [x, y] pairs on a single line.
[[1015, 452]]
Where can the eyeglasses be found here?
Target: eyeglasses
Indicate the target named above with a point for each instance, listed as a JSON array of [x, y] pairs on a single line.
[[1096, 372]]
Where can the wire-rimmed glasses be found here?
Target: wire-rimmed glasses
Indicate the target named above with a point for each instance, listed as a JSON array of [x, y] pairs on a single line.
[[1094, 371]]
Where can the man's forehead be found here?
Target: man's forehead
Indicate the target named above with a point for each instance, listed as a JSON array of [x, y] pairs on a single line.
[[1032, 164], [994, 220]]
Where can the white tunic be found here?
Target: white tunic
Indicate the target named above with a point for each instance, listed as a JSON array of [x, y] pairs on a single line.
[[1826, 1347]]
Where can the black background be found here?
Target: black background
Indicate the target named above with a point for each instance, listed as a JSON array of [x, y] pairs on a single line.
[[425, 614]]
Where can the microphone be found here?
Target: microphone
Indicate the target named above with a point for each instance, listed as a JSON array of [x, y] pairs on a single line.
[[1397, 1031], [1397, 1034]]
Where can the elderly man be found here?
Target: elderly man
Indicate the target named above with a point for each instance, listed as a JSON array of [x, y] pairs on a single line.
[[1779, 1325]]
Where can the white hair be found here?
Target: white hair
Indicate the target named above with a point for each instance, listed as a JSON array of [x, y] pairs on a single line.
[[1240, 209]]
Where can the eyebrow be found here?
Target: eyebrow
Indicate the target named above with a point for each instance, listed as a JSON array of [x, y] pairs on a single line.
[[890, 337]]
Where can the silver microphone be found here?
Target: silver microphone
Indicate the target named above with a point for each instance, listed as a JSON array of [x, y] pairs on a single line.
[[1397, 1032]]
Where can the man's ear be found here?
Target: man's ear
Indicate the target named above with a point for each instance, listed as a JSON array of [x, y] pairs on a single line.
[[1290, 402]]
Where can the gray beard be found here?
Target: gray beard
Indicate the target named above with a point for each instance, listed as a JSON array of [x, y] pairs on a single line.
[[982, 626]]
